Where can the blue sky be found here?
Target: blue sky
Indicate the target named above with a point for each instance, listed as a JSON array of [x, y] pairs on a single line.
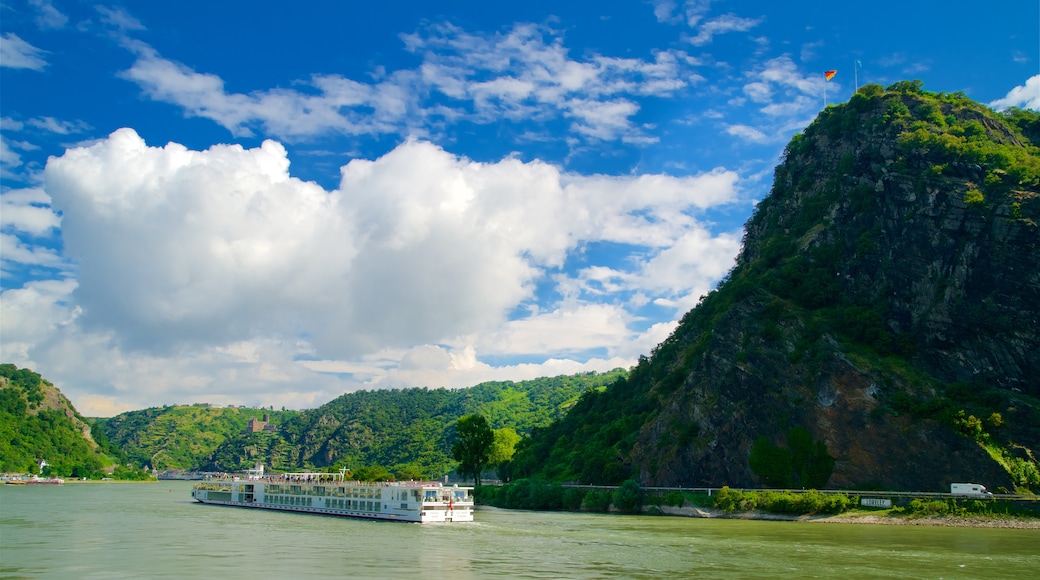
[[274, 203]]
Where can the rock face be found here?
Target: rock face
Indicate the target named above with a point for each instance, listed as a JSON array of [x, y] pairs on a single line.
[[896, 256], [886, 300]]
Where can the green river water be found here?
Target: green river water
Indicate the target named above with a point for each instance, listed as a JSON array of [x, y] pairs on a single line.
[[155, 531]]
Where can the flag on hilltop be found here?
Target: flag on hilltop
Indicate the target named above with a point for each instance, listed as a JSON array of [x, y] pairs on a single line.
[[828, 75]]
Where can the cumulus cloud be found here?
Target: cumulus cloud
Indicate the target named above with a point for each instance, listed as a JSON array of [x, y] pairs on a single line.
[[412, 270], [177, 246], [17, 53], [1025, 96]]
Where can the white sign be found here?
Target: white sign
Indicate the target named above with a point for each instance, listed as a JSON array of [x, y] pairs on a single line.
[[875, 502]]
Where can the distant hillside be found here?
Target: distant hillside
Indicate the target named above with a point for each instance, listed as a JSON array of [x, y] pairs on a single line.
[[179, 436], [881, 327], [38, 423], [402, 430]]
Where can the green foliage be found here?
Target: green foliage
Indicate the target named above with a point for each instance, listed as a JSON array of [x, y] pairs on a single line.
[[789, 503], [871, 90], [130, 473], [588, 445], [804, 463], [408, 430], [960, 405], [596, 501], [181, 436], [772, 464], [974, 196], [38, 423], [525, 494], [504, 446], [472, 446], [371, 473], [918, 508], [914, 87], [628, 497]]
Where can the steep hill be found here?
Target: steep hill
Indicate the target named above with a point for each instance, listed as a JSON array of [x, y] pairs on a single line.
[[38, 423], [880, 328], [406, 429]]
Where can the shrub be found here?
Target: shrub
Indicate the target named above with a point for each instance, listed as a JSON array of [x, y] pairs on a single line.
[[628, 497], [572, 498], [596, 501]]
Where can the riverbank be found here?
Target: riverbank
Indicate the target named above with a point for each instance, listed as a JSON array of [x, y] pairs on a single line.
[[857, 517]]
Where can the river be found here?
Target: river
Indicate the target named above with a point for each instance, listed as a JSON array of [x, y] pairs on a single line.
[[155, 530]]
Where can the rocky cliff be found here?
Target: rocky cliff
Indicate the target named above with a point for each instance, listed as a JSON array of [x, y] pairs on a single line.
[[880, 328]]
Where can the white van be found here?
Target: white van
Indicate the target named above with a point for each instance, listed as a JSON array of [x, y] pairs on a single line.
[[968, 489]]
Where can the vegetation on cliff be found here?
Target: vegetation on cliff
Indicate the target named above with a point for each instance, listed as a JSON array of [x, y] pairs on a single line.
[[37, 423], [885, 303]]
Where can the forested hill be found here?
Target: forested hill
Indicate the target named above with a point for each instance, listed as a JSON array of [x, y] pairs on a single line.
[[38, 423], [405, 431], [176, 437], [881, 327]]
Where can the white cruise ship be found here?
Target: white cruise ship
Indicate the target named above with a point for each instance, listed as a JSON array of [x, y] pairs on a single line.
[[333, 494]]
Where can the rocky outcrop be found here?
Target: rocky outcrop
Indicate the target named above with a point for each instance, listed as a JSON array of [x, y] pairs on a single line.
[[894, 263]]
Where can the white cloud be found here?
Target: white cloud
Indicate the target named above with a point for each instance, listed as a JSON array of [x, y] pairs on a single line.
[[522, 75], [29, 316], [721, 25], [219, 261], [217, 245], [532, 75], [572, 328], [47, 15], [27, 210], [119, 18], [52, 125], [1025, 96], [748, 133], [10, 160], [785, 97], [17, 53]]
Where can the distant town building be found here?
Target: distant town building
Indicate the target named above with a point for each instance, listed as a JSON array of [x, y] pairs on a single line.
[[255, 425]]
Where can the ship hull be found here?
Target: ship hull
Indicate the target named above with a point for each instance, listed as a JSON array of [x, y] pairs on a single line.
[[421, 502]]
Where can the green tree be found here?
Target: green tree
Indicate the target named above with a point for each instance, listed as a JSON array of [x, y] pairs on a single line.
[[772, 464], [472, 446], [372, 473], [628, 497], [504, 445]]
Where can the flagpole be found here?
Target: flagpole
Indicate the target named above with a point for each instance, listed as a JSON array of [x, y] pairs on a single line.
[[855, 74], [824, 90]]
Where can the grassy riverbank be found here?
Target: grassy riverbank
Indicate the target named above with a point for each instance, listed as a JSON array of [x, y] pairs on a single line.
[[809, 506]]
